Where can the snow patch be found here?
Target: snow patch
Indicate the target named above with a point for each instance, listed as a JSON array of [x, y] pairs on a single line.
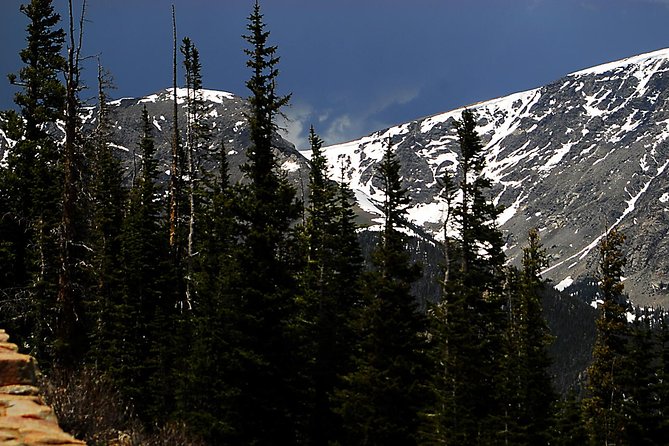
[[116, 146], [557, 157], [218, 97], [290, 166], [634, 60], [365, 203], [564, 284]]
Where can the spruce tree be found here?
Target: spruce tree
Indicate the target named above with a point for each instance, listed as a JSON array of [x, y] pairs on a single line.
[[663, 374], [569, 428], [262, 371], [197, 134], [640, 384], [468, 324], [33, 180], [108, 198], [144, 260], [205, 390], [74, 224], [604, 406], [530, 410], [383, 398], [329, 293]]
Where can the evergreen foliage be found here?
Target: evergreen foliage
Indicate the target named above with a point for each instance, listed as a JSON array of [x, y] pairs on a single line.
[[382, 400], [329, 294], [205, 392], [262, 369], [32, 182], [215, 306], [197, 133], [144, 259], [605, 414], [73, 232], [108, 202], [468, 326], [529, 415]]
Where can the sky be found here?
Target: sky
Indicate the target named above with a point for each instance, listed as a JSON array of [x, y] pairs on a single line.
[[357, 66]]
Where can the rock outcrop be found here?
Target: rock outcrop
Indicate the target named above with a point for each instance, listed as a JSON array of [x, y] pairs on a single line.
[[24, 418]]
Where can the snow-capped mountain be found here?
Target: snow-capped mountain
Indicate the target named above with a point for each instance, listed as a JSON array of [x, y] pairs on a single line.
[[224, 116], [574, 158]]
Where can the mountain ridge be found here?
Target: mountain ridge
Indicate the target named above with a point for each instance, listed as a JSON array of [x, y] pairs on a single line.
[[589, 144], [574, 158]]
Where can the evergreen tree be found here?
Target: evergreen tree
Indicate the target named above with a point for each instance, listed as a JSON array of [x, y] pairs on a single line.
[[32, 181], [202, 399], [196, 134], [144, 260], [74, 224], [663, 374], [604, 406], [529, 414], [640, 384], [569, 429], [330, 292], [468, 325], [262, 371], [383, 398], [108, 198]]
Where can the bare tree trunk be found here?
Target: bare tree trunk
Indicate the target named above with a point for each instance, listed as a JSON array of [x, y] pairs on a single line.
[[190, 149], [174, 174], [67, 300]]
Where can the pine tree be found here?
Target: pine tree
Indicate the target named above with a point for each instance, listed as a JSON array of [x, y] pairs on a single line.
[[330, 292], [108, 199], [73, 231], [468, 325], [262, 371], [144, 260], [196, 134], [383, 398], [640, 384], [205, 391], [663, 374], [604, 406], [569, 428], [529, 415], [33, 181]]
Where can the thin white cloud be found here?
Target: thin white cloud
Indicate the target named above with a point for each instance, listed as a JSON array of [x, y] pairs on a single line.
[[340, 129], [336, 126], [398, 96], [295, 126]]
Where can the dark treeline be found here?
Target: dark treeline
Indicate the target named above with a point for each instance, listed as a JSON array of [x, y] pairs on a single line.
[[239, 315]]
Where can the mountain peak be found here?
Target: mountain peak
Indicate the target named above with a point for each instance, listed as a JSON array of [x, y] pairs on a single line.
[[640, 60], [574, 158]]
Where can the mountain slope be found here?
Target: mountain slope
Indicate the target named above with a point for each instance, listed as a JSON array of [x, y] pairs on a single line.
[[574, 158], [224, 116]]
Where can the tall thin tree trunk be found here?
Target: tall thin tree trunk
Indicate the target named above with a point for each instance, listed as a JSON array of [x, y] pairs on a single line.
[[190, 138], [66, 300], [174, 174]]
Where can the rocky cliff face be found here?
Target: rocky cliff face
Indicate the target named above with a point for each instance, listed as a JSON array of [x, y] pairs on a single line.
[[575, 158]]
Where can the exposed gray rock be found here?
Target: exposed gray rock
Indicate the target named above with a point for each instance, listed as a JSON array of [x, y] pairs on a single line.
[[574, 158]]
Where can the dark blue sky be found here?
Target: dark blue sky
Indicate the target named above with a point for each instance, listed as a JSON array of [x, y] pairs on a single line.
[[355, 66]]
